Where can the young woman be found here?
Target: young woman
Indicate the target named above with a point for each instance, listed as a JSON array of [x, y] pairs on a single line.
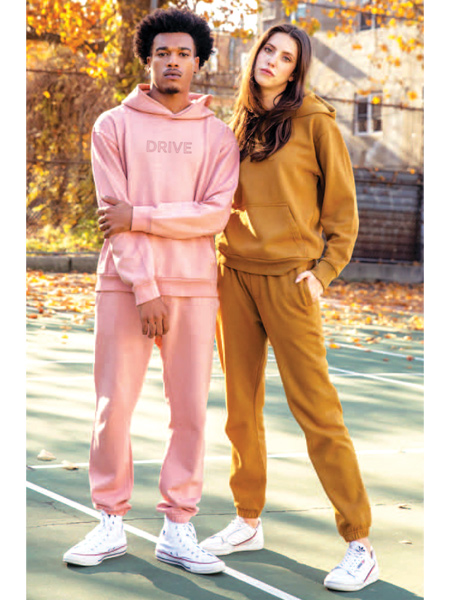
[[296, 184]]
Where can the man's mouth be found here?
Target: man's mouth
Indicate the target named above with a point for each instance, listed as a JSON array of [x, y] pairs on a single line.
[[172, 74]]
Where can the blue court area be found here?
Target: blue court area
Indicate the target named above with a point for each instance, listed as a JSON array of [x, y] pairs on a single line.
[[378, 372]]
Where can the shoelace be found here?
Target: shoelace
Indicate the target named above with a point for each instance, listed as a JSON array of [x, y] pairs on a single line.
[[190, 543], [232, 526], [352, 558], [98, 535]]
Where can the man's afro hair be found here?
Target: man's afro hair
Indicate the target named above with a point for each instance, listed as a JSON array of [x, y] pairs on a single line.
[[173, 20]]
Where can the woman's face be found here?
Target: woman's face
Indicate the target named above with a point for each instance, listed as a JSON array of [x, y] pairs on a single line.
[[275, 62]]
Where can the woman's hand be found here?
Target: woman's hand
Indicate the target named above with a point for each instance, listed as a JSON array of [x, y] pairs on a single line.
[[315, 287], [115, 218]]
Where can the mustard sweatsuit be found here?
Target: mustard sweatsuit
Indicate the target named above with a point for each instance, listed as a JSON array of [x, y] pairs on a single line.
[[283, 208]]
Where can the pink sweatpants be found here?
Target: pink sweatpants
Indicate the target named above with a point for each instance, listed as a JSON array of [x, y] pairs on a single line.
[[122, 354]]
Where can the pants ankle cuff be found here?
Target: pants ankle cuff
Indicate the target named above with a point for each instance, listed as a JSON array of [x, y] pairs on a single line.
[[248, 514], [356, 534]]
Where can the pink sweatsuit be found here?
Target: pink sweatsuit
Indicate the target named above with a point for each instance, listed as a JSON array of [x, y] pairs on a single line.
[[179, 172]]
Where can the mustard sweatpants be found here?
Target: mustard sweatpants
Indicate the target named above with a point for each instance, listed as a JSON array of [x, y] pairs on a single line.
[[253, 310]]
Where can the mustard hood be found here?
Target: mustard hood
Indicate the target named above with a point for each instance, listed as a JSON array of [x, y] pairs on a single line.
[[313, 104]]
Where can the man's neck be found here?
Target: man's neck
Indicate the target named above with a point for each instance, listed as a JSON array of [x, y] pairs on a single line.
[[174, 102]]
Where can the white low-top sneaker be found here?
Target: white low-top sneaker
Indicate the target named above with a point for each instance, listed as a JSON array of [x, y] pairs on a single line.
[[177, 545], [107, 540], [357, 570], [238, 536]]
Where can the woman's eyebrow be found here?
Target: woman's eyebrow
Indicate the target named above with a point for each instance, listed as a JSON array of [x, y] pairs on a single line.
[[283, 51]]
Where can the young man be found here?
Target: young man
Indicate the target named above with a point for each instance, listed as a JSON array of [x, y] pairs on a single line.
[[167, 168]]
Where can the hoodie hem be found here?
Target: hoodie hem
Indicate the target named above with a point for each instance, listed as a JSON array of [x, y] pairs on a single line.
[[167, 287], [263, 267]]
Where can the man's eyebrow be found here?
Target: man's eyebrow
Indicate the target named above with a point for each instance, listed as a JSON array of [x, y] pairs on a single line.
[[167, 48]]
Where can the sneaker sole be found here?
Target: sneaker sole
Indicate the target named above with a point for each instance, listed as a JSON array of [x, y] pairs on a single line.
[[83, 560], [191, 566], [356, 587]]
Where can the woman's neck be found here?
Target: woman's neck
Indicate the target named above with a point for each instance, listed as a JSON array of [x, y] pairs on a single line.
[[270, 97]]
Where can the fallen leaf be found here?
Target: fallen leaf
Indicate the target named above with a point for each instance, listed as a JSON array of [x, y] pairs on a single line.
[[69, 466], [46, 455]]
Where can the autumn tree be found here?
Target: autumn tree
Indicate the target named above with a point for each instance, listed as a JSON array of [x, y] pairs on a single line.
[[80, 63]]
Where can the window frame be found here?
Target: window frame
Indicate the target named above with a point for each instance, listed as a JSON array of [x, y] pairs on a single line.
[[366, 100], [362, 26]]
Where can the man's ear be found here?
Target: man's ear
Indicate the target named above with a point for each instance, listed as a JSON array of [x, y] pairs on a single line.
[[149, 62], [197, 64]]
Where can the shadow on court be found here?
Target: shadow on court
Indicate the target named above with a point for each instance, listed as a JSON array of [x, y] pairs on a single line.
[[175, 583], [308, 580]]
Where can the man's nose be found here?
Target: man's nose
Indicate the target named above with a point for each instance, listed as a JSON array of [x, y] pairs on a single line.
[[173, 60]]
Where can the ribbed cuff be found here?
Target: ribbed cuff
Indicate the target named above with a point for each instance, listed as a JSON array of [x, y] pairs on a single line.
[[325, 273], [247, 514], [141, 219], [356, 534], [146, 292]]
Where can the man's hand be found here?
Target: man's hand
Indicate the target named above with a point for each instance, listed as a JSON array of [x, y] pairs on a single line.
[[115, 218], [315, 287], [154, 317]]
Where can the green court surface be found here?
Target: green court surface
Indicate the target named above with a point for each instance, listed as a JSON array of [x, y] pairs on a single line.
[[381, 389]]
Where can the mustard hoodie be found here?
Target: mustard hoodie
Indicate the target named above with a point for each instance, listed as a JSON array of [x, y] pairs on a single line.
[[179, 172], [284, 204]]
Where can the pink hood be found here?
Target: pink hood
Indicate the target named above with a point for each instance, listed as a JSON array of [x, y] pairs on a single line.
[[141, 101], [179, 171]]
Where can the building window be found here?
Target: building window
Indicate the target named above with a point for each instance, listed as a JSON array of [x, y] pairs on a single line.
[[300, 13], [269, 10], [367, 20], [368, 118]]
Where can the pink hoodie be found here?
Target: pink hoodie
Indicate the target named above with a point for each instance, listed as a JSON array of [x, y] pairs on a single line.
[[179, 171]]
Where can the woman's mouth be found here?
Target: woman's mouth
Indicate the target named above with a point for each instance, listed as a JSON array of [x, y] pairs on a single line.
[[266, 72]]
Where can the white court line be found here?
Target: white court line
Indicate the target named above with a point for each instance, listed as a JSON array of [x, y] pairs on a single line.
[[157, 377], [273, 591], [370, 350], [158, 461], [270, 357], [378, 378]]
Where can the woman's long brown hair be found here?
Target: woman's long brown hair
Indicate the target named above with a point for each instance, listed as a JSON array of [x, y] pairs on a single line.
[[261, 132]]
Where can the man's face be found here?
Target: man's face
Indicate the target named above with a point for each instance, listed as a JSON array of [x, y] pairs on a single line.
[[173, 62]]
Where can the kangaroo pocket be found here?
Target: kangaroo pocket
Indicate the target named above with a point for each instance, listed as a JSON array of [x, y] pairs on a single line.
[[262, 232], [192, 259]]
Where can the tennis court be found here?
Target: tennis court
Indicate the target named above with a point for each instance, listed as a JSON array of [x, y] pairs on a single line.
[[378, 372]]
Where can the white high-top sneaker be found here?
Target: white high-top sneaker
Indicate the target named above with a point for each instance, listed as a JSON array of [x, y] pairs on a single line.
[[107, 540], [177, 545], [358, 569], [238, 536]]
